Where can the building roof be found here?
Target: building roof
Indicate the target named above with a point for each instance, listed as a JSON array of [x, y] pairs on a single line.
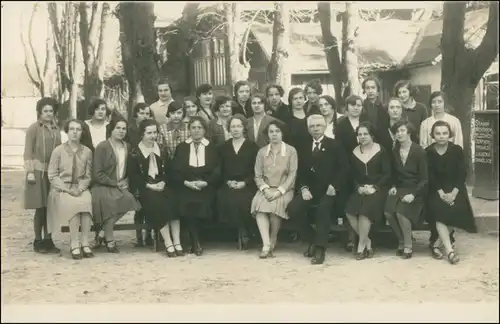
[[376, 42], [427, 48]]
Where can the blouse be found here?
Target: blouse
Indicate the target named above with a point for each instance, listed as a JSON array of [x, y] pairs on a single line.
[[277, 171], [98, 134], [70, 168], [456, 128]]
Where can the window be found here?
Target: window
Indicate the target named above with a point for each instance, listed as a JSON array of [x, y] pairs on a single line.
[[210, 65]]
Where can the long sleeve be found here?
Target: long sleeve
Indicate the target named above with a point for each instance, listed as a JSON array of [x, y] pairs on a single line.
[[167, 166], [423, 174], [424, 134], [434, 179], [134, 174], [459, 136], [84, 182], [29, 148], [461, 167], [289, 183], [341, 174], [98, 173], [214, 176], [385, 178], [249, 179], [53, 170], [179, 173], [259, 171]]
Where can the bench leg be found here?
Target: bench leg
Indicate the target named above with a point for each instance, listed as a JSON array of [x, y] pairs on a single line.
[[156, 240]]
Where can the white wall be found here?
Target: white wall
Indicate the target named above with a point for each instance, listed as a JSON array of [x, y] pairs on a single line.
[[19, 112], [427, 75]]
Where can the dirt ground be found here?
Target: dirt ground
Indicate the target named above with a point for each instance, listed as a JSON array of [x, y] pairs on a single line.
[[225, 275]]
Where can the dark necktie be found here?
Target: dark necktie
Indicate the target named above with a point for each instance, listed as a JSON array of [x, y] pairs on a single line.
[[316, 147]]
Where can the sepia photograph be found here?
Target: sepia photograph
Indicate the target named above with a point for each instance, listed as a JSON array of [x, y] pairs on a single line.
[[250, 161]]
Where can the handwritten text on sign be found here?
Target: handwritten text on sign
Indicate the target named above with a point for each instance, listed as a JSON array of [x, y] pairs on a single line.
[[483, 139]]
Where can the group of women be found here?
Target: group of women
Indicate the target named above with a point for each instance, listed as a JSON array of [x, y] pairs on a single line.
[[177, 164]]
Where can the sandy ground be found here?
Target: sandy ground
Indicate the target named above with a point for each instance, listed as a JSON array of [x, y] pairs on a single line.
[[225, 275]]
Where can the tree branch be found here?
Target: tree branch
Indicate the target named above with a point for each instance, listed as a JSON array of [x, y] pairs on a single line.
[[47, 51], [100, 49], [84, 31], [26, 65], [32, 48], [487, 51]]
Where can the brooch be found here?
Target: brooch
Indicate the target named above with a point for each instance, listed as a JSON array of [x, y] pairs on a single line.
[[323, 149]]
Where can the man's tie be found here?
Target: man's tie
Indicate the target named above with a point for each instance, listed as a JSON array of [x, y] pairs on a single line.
[[316, 147]]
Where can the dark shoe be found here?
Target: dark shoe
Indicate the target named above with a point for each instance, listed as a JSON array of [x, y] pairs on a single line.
[[171, 254], [399, 252], [87, 252], [369, 253], [49, 245], [111, 247], [243, 240], [99, 241], [76, 254], [360, 256], [311, 250], [319, 255], [407, 255], [197, 249], [265, 253], [436, 253], [179, 251], [39, 247], [453, 258]]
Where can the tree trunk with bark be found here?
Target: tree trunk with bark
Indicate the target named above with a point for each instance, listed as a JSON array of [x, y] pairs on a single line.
[[235, 71], [139, 56], [350, 31], [278, 69], [331, 48], [462, 68]]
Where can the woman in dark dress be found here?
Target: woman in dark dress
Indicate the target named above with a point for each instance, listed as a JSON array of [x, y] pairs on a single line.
[[448, 200], [416, 112], [196, 176], [409, 183], [372, 174], [149, 170], [204, 101], [275, 105], [235, 196], [297, 133], [217, 132], [313, 90], [241, 100]]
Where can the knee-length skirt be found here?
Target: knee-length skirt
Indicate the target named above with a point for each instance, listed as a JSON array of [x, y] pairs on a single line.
[[459, 215], [412, 211], [157, 208], [233, 205], [195, 204], [276, 207], [370, 206], [62, 207], [36, 194], [110, 202]]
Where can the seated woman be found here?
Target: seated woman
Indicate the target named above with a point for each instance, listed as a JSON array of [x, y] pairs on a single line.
[[371, 170], [111, 198], [196, 175], [70, 201], [448, 200], [275, 172], [234, 198], [218, 133], [409, 181], [149, 170]]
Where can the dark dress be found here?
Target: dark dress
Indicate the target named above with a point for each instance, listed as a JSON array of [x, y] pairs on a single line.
[[195, 203], [282, 113], [311, 108], [297, 134], [157, 207], [410, 178], [376, 172], [346, 134], [233, 205], [446, 172], [239, 109], [416, 116], [376, 113]]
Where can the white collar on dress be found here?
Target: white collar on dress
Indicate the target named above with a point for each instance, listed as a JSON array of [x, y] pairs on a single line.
[[146, 151], [283, 149], [204, 141]]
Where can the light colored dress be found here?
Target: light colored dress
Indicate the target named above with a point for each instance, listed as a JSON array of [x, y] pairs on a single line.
[[275, 171], [68, 169], [426, 127], [98, 134]]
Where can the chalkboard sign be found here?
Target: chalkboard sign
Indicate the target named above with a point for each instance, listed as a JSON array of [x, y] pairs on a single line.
[[486, 154]]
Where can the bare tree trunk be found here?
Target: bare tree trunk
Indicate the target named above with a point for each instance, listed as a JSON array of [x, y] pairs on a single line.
[[235, 70], [277, 69], [351, 53], [331, 48], [462, 68], [139, 57], [76, 71]]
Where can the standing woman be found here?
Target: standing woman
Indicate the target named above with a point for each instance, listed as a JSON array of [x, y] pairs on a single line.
[[190, 107], [448, 200], [275, 172], [70, 171], [416, 112], [42, 137], [111, 198], [217, 127], [313, 90], [176, 130], [298, 133], [371, 167], [241, 99], [275, 105], [437, 103], [140, 113], [204, 101], [346, 127], [409, 183], [328, 108], [149, 169], [97, 124], [234, 198], [257, 124], [196, 175], [396, 114]]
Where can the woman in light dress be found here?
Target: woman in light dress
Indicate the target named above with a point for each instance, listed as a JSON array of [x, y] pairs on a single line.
[[69, 198], [275, 173], [97, 125]]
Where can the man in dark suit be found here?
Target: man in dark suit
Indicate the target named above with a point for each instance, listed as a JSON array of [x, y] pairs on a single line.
[[322, 172]]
